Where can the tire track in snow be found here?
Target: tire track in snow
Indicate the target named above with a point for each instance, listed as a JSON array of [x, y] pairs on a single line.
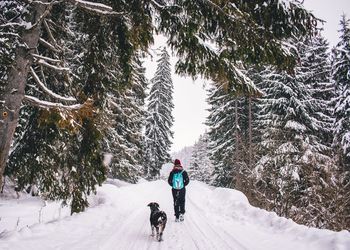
[[230, 243], [133, 231], [119, 229], [196, 232]]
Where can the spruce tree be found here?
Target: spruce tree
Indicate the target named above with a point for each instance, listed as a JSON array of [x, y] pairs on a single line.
[[159, 119], [340, 75], [341, 141], [316, 70], [71, 142], [124, 133], [83, 56], [318, 184], [201, 167], [294, 162], [222, 129]]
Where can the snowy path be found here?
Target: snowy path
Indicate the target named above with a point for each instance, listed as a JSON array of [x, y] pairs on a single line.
[[215, 219]]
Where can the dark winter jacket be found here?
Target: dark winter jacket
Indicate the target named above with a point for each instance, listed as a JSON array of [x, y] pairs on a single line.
[[178, 169]]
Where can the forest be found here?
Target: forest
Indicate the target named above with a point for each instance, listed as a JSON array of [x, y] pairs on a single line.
[[76, 107]]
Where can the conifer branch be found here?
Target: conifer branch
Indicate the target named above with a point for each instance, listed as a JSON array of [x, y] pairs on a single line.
[[48, 91], [46, 58], [44, 63], [48, 45], [96, 8], [47, 27], [49, 105]]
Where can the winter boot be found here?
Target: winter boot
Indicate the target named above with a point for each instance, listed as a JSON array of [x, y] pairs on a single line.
[[182, 218]]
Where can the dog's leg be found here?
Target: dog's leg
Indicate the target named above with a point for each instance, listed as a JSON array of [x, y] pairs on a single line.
[[161, 228], [152, 227], [157, 229]]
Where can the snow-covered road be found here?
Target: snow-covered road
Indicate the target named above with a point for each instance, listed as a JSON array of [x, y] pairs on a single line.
[[216, 218]]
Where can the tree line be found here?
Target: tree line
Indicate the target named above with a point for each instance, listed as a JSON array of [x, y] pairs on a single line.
[[288, 150], [72, 84]]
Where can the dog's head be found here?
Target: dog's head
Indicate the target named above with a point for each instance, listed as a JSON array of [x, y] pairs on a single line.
[[154, 206]]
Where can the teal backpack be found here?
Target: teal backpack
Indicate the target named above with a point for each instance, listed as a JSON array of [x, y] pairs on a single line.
[[178, 180]]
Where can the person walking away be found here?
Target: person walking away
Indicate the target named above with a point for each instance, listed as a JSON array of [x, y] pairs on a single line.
[[178, 180]]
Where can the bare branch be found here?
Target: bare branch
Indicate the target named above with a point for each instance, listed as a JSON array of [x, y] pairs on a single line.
[[46, 58], [43, 62], [9, 24], [45, 3], [47, 27], [41, 18], [48, 91], [49, 105], [48, 45]]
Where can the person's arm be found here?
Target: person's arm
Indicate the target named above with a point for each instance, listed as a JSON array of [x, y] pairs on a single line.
[[170, 179], [186, 179]]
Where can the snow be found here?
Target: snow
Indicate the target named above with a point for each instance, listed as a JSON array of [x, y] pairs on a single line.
[[107, 159], [216, 218], [46, 104], [93, 4]]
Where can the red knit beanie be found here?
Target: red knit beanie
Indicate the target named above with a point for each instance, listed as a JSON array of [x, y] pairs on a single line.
[[177, 162]]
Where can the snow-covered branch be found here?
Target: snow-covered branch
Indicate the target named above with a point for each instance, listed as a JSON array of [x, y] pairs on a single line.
[[9, 24], [48, 91], [41, 18], [47, 27], [43, 62], [45, 104], [158, 5], [48, 45], [96, 8], [46, 58]]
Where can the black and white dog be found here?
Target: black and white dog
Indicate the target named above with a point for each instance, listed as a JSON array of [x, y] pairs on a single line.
[[158, 220]]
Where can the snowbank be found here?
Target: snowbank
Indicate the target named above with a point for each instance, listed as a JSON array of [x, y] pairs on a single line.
[[216, 218]]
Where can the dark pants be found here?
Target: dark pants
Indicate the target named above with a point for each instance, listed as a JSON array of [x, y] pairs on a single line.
[[179, 201]]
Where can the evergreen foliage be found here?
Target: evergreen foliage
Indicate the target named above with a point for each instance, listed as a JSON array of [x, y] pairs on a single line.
[[222, 146], [201, 168], [295, 164], [340, 75], [315, 72], [84, 52], [341, 141], [124, 132], [159, 119]]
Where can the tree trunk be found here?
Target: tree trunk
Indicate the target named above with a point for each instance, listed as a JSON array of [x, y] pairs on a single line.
[[250, 132], [236, 152], [16, 83]]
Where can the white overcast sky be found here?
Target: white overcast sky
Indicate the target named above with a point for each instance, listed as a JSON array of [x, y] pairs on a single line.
[[190, 109]]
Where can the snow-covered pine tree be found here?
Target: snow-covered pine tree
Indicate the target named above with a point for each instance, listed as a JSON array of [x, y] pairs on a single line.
[[201, 167], [316, 70], [293, 159], [277, 171], [341, 78], [59, 151], [341, 141], [124, 133], [159, 119], [70, 143], [249, 37], [319, 183], [222, 129], [248, 136]]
